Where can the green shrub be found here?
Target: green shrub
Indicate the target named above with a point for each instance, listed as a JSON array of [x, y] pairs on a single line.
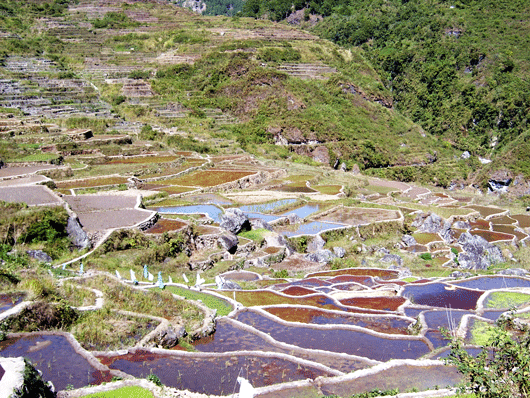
[[281, 274], [426, 256]]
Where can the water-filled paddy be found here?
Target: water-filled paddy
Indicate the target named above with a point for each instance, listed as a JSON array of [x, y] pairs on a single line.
[[442, 295], [493, 282], [492, 236], [382, 323], [266, 207], [211, 375], [212, 211], [8, 301], [56, 359], [351, 342], [309, 228]]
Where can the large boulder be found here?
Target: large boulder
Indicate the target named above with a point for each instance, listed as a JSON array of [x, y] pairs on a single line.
[[277, 240], [77, 236], [316, 244], [392, 258], [228, 242], [226, 284], [408, 240], [340, 252], [431, 223], [234, 221], [513, 272], [478, 253], [258, 223], [320, 256], [169, 337]]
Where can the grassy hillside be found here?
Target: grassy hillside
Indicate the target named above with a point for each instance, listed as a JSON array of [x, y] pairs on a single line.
[[459, 69], [230, 83]]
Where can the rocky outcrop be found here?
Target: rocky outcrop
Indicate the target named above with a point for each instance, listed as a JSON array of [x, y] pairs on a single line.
[[234, 221], [431, 223], [39, 255], [320, 256], [478, 253], [500, 181], [169, 336], [228, 242], [316, 244], [392, 258], [408, 240], [76, 234]]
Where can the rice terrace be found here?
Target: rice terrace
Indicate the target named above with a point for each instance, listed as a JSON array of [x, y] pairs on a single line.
[[248, 200]]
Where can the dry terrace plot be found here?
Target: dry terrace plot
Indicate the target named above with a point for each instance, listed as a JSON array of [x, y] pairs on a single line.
[[101, 212], [22, 170], [86, 203], [31, 195], [359, 215], [142, 159], [207, 178]]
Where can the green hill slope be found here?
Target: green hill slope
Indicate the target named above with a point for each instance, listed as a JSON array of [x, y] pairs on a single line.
[[230, 83], [459, 69]]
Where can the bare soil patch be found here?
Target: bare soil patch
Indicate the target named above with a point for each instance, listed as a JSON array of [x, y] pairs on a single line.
[[358, 216], [31, 195]]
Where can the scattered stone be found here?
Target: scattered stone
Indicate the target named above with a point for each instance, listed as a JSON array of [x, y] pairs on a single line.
[[340, 252], [447, 234], [316, 244], [355, 170], [478, 253], [258, 223], [392, 258], [39, 255], [383, 250], [76, 234], [460, 274], [343, 167], [320, 256], [465, 155], [278, 240], [234, 221], [293, 218], [409, 240], [513, 271]]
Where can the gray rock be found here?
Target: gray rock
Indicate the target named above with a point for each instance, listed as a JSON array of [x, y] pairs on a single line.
[[383, 250], [340, 252], [258, 223], [409, 240], [169, 337], [316, 244], [321, 256], [459, 274], [234, 220], [225, 284], [228, 242], [39, 255], [293, 218], [77, 236], [343, 167], [447, 233], [513, 271], [392, 258], [255, 262], [465, 155], [280, 241], [431, 223], [478, 253], [461, 225]]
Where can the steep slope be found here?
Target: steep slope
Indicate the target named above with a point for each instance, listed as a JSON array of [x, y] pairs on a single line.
[[275, 90]]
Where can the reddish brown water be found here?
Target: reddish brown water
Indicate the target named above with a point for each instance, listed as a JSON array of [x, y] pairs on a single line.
[[56, 359], [376, 303], [522, 219], [336, 340], [402, 377], [491, 236], [503, 220], [211, 375], [380, 273], [480, 223], [298, 291], [228, 337], [165, 225], [383, 324]]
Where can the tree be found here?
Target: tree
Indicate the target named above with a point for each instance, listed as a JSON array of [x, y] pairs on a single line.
[[502, 369]]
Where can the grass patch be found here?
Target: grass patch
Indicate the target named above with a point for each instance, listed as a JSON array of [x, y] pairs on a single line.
[[256, 235], [215, 303], [328, 189], [507, 299], [123, 392], [92, 182]]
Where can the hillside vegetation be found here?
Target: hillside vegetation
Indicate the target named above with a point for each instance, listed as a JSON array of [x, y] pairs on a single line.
[[459, 69]]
